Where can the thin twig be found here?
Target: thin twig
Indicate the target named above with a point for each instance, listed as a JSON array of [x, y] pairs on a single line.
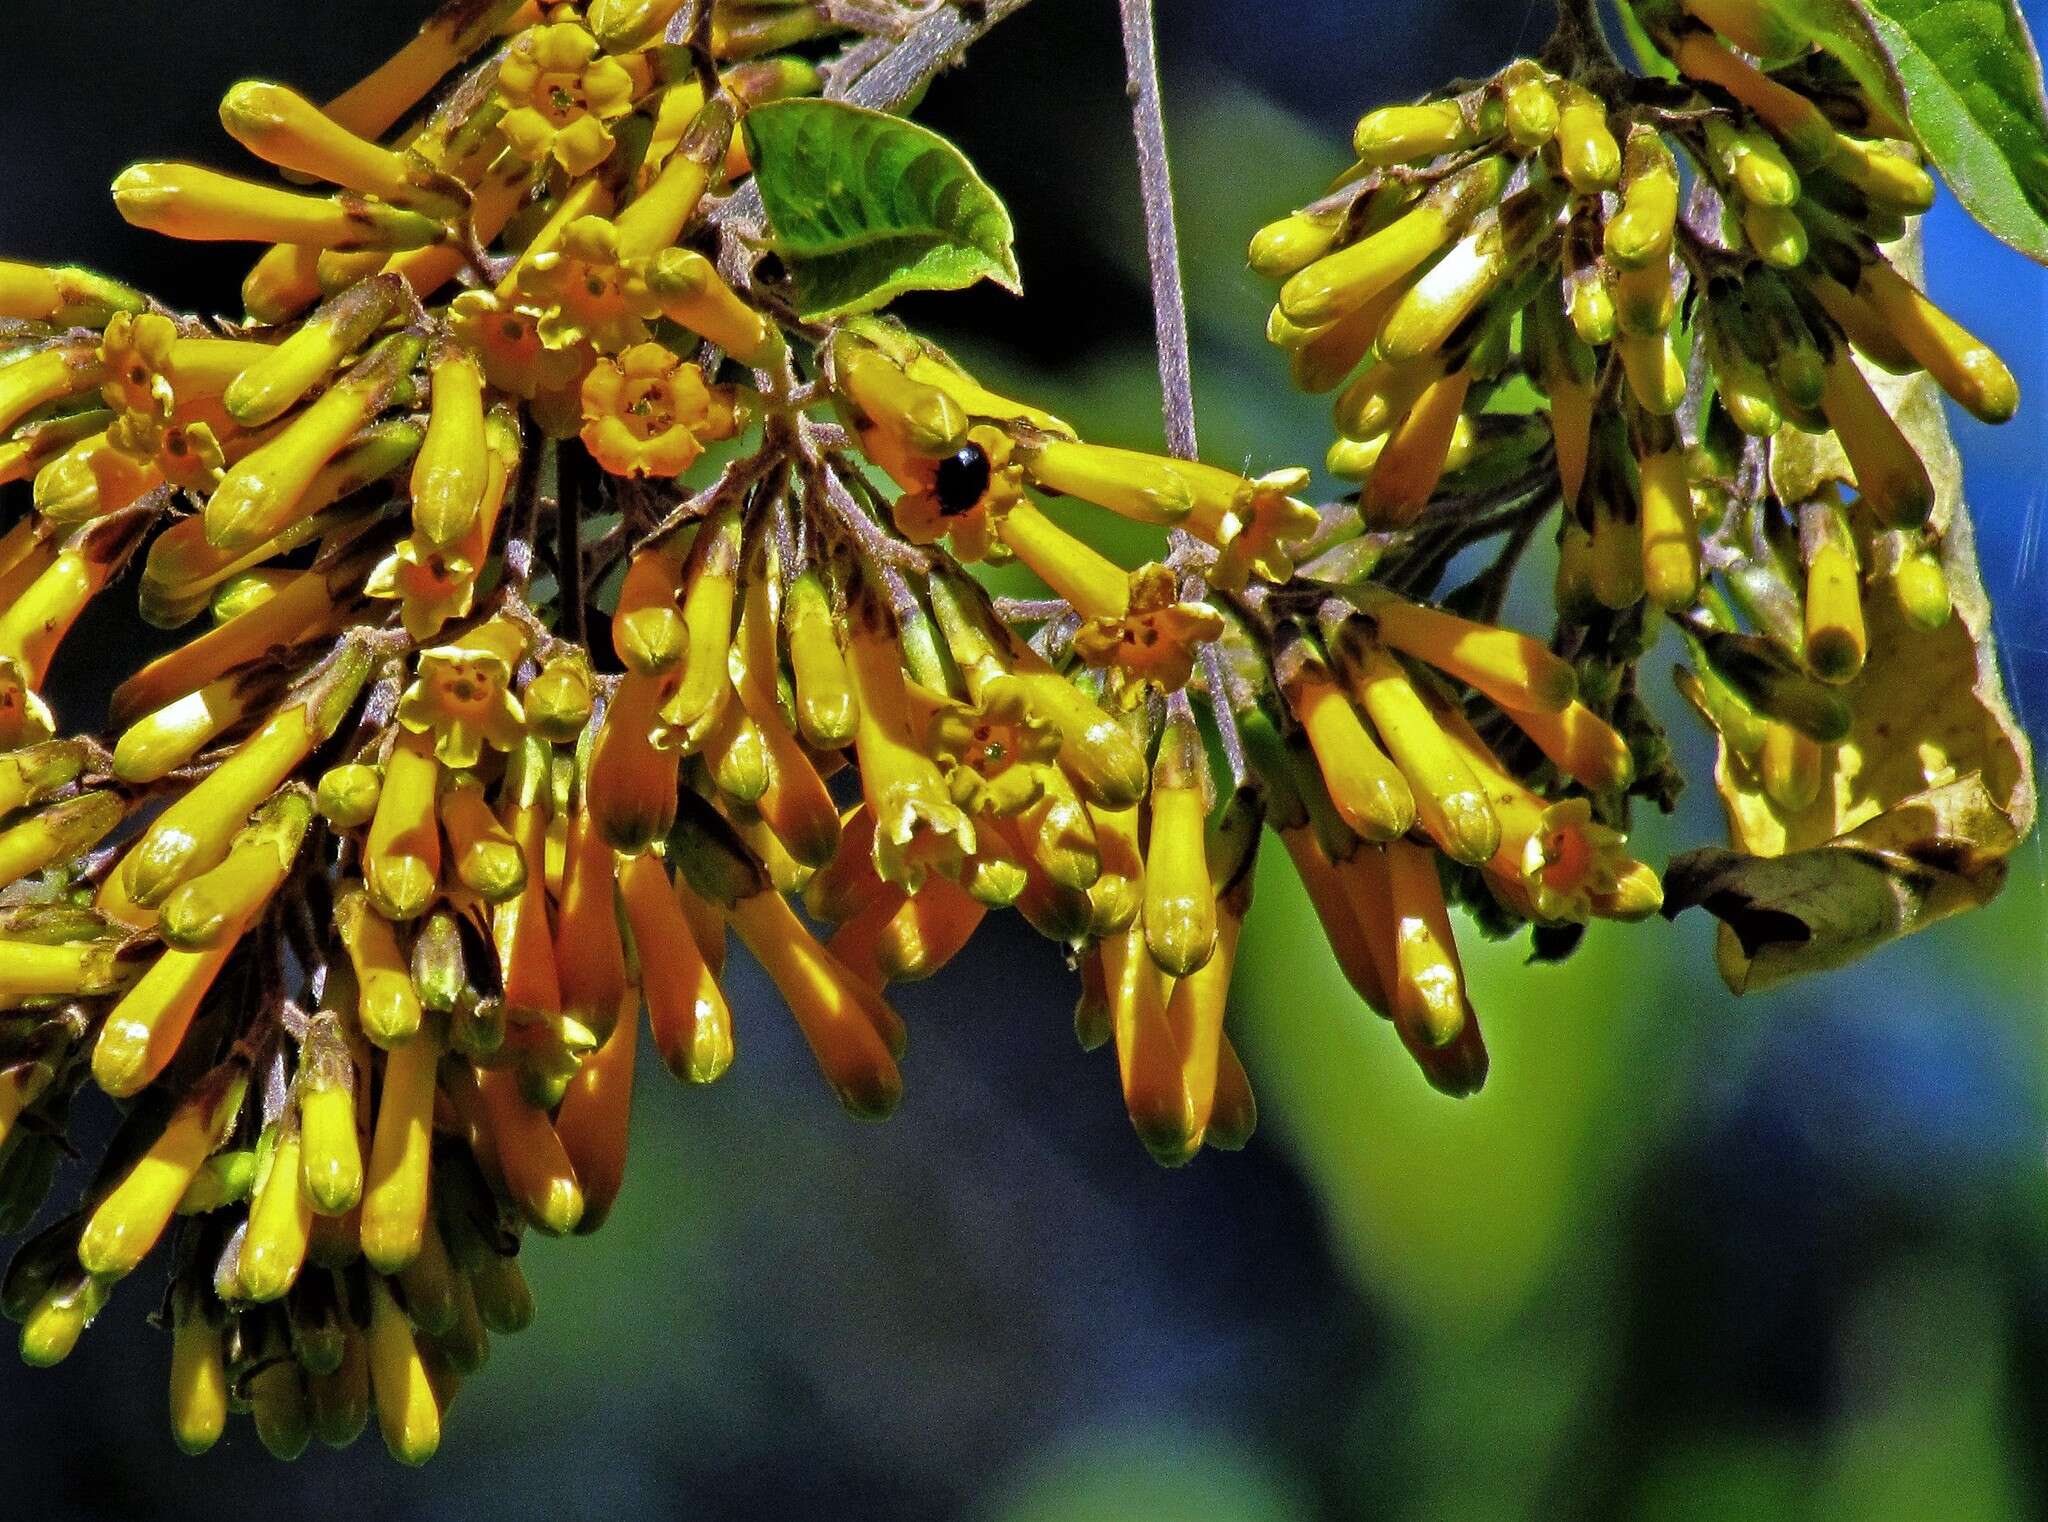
[[1162, 241]]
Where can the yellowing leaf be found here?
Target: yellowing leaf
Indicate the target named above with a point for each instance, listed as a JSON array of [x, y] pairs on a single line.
[[1924, 798]]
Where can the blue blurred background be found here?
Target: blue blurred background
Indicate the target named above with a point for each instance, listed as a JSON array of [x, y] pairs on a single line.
[[1684, 1258]]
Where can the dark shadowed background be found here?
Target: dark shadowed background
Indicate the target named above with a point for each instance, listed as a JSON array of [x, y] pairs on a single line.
[[1684, 1258]]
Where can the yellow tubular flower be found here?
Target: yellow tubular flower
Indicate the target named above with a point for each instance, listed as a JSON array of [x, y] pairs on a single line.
[[407, 1412], [1294, 242], [285, 281], [36, 445], [488, 860], [1751, 25], [58, 833], [402, 855], [1096, 586], [185, 201], [1413, 462], [1450, 805], [918, 416], [448, 474], [840, 1019], [281, 377], [142, 1033], [64, 295], [1180, 902], [647, 412], [596, 1112], [280, 1224], [1529, 107], [917, 824], [1367, 788], [1797, 121], [795, 803], [1428, 984], [590, 957], [373, 104], [1891, 181], [259, 497], [44, 376], [1343, 281], [1655, 376], [710, 594], [1614, 557], [1382, 394], [194, 833], [213, 906], [927, 931], [1870, 334], [1792, 765], [561, 94], [520, 932], [691, 292], [1148, 1058], [32, 971], [33, 627], [282, 127], [632, 785], [1891, 478], [1671, 545], [1836, 640], [1142, 487], [686, 1010], [32, 774], [387, 1008], [623, 25], [537, 1170], [1324, 356], [462, 694], [656, 217], [199, 1381], [1579, 744], [129, 1218], [1507, 666], [1590, 156], [1405, 134], [1964, 366], [394, 1209], [1638, 235], [331, 1154]]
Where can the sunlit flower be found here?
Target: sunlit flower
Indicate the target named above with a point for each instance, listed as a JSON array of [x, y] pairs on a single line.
[[994, 751], [506, 340], [136, 351], [1260, 528], [647, 412], [1572, 860], [463, 697], [583, 293], [1158, 636], [430, 585], [560, 91]]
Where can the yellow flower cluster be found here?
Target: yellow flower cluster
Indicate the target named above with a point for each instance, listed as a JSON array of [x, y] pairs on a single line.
[[491, 723]]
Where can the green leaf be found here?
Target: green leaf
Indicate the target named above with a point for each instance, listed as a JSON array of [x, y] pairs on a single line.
[[864, 206], [1973, 88]]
